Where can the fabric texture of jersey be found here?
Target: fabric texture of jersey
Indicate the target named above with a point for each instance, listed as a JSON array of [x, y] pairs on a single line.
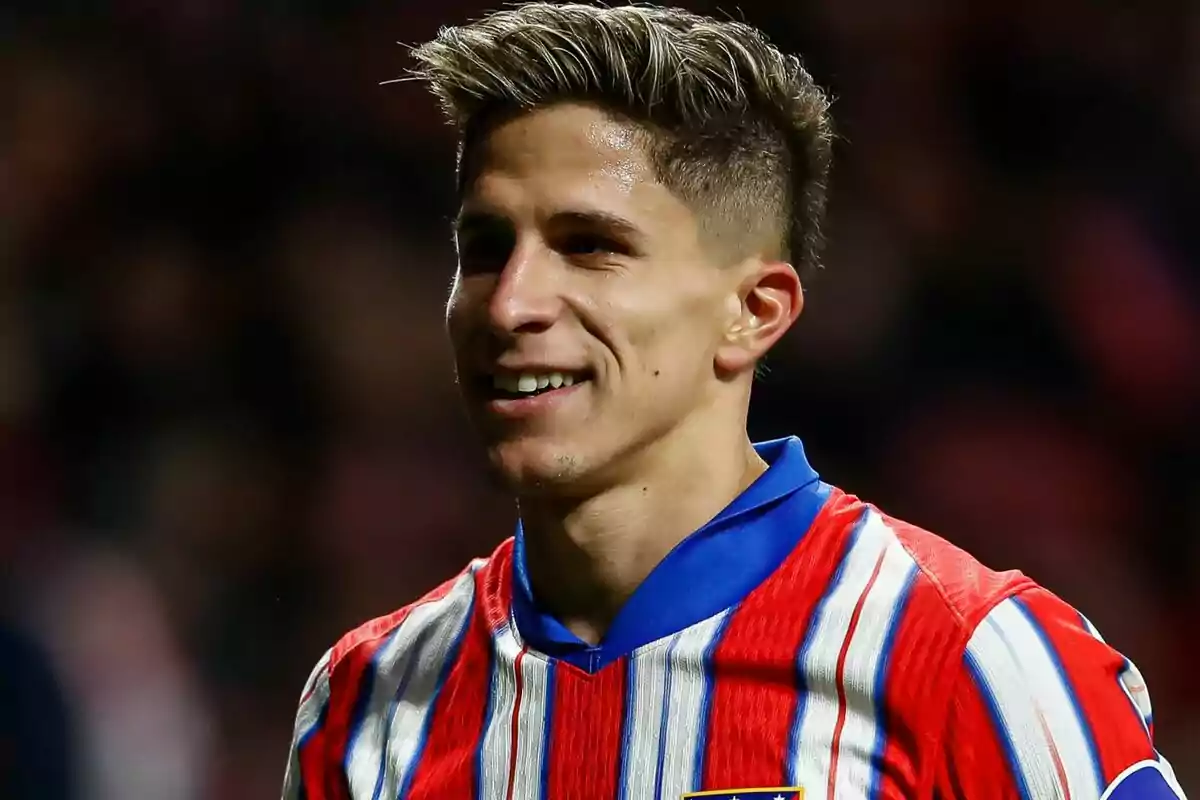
[[803, 644]]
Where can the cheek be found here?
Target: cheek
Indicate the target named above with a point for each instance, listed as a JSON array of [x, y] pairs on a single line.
[[670, 330]]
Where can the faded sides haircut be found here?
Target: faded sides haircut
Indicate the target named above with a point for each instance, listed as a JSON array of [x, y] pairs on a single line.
[[733, 126]]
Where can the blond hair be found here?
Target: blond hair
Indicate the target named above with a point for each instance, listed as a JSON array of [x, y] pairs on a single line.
[[733, 126]]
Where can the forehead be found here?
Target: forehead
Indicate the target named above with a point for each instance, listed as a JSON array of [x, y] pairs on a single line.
[[569, 156]]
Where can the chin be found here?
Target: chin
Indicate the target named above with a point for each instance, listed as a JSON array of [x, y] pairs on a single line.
[[533, 465]]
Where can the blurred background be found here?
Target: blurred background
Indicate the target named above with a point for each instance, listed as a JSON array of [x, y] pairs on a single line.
[[228, 428]]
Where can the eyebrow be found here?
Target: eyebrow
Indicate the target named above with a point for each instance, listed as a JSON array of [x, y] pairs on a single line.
[[594, 218], [612, 223]]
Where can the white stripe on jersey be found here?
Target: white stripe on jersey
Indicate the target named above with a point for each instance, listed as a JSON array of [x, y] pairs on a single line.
[[667, 691], [313, 699], [502, 705], [865, 661], [520, 685], [873, 544], [531, 727], [408, 667], [1032, 705], [687, 693], [645, 689]]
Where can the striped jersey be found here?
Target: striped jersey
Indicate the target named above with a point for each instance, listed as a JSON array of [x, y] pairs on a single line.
[[802, 645]]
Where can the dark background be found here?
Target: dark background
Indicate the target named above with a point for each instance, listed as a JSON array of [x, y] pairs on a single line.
[[228, 428]]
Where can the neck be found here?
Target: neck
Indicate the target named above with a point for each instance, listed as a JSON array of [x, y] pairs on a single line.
[[585, 558]]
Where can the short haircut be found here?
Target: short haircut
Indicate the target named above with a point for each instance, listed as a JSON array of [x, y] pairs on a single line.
[[733, 126]]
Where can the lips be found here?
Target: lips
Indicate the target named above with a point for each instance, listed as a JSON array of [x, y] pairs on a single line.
[[530, 400]]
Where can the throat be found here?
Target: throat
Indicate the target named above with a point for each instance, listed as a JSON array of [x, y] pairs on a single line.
[[586, 559], [584, 575]]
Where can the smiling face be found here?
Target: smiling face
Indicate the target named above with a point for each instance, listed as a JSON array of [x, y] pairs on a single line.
[[579, 270]]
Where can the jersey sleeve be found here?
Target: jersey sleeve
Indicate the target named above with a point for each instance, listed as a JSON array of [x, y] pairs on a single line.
[[300, 780], [1043, 708]]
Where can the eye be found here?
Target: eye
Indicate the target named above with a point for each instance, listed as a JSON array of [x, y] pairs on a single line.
[[589, 244], [485, 250]]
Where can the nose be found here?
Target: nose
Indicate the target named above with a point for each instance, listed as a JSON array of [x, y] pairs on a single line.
[[525, 298]]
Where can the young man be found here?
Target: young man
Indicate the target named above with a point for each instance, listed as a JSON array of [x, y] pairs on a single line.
[[681, 611]]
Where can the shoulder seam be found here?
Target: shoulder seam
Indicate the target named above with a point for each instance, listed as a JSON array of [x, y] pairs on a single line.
[[343, 647], [966, 628], [963, 622]]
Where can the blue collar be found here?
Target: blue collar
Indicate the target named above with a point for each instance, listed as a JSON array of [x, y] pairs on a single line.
[[728, 557]]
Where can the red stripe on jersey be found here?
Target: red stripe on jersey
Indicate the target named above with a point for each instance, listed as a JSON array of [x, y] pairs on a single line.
[[972, 590], [585, 733], [318, 780], [971, 761], [494, 585], [754, 664], [840, 725], [350, 683], [1092, 670], [516, 727], [447, 766], [926, 657], [921, 671]]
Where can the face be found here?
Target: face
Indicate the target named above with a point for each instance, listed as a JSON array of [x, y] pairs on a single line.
[[587, 318]]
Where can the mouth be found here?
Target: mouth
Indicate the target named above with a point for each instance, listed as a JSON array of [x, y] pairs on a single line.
[[524, 385]]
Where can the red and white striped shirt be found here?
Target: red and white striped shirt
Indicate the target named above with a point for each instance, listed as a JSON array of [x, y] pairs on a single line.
[[803, 644]]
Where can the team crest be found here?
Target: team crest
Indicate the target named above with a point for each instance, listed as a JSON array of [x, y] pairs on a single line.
[[769, 793]]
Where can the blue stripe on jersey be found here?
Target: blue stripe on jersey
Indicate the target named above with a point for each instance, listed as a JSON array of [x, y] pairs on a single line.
[[488, 712], [664, 717], [1002, 733], [1144, 782], [547, 721], [885, 662], [423, 737], [1080, 719], [709, 669], [792, 779], [365, 685], [626, 727]]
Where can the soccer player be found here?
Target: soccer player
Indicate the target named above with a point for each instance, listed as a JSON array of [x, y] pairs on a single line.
[[681, 611]]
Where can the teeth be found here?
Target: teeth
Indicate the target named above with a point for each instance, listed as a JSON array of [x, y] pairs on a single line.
[[527, 383], [505, 381]]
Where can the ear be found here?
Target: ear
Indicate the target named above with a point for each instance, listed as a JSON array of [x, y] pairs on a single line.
[[766, 303]]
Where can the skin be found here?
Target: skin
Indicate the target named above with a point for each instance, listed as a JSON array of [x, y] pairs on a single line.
[[572, 254]]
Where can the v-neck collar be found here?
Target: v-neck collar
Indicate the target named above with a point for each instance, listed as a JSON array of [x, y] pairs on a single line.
[[712, 569]]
